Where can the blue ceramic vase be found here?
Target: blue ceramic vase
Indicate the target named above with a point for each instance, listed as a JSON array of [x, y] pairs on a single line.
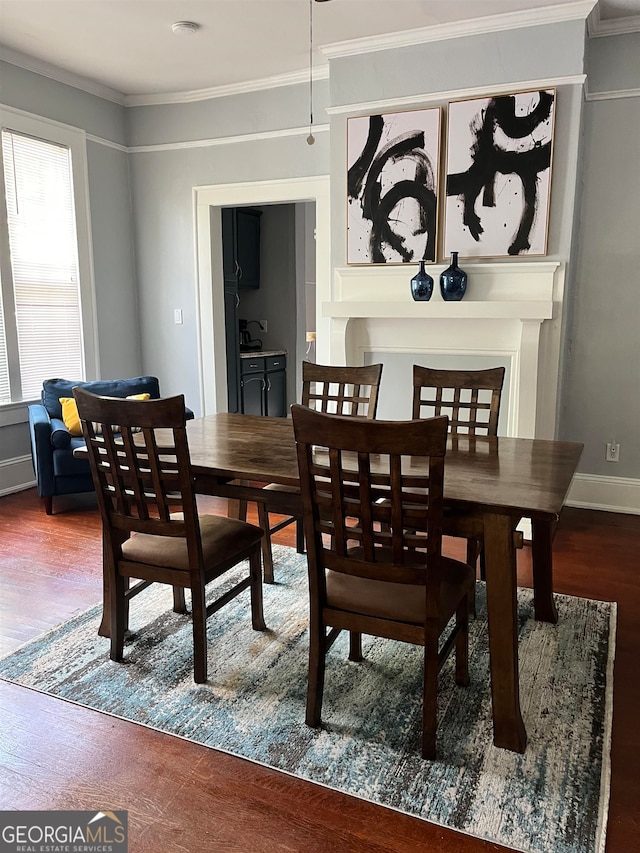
[[453, 281], [421, 284]]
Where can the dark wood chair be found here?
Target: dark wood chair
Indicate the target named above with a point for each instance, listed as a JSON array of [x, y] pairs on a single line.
[[349, 391], [151, 527], [471, 400], [373, 526]]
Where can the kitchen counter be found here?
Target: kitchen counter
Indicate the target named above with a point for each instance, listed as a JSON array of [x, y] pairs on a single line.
[[262, 352]]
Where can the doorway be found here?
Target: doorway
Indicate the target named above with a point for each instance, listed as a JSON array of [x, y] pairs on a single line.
[[209, 269], [269, 277]]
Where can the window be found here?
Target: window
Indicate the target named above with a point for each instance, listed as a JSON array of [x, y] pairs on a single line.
[[46, 308]]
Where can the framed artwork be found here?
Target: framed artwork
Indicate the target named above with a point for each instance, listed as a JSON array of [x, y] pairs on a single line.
[[393, 164], [499, 153]]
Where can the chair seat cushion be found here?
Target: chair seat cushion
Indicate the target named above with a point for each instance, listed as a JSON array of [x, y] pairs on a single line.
[[398, 601], [222, 538]]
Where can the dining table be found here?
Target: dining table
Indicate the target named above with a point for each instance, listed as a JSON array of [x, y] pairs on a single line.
[[499, 480]]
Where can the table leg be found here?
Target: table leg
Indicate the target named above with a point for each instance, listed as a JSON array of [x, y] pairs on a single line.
[[541, 559], [508, 727], [237, 509]]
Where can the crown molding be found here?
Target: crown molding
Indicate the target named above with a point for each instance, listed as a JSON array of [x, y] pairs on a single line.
[[458, 29], [596, 27], [420, 100], [54, 72], [612, 96], [292, 78]]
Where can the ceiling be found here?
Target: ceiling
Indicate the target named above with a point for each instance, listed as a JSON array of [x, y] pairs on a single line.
[[128, 47]]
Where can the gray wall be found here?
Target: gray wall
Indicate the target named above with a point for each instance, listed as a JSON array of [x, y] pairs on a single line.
[[593, 225], [549, 51], [248, 113], [162, 184], [601, 399], [47, 98]]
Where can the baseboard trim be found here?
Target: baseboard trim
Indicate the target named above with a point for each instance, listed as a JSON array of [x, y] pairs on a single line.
[[610, 494], [16, 475]]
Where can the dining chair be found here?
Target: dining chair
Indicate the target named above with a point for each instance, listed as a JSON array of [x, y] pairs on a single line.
[[372, 495], [349, 391], [139, 459], [471, 400]]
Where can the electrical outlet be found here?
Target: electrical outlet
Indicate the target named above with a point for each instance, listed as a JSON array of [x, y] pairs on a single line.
[[613, 452]]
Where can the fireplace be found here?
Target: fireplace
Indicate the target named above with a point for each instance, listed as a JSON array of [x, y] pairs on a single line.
[[511, 315]]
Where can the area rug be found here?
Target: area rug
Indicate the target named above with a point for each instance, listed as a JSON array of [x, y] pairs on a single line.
[[552, 799]]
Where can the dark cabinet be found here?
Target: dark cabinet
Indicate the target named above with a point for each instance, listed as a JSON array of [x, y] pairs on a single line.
[[276, 390], [263, 386], [241, 246]]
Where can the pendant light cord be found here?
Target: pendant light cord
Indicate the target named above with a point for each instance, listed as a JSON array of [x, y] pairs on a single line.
[[310, 138]]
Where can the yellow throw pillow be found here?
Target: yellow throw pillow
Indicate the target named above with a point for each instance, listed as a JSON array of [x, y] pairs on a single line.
[[70, 415], [72, 419]]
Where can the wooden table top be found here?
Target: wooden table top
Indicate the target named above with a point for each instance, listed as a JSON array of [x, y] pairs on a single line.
[[518, 476]]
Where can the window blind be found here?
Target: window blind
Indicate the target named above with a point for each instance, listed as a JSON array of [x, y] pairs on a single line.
[[44, 259], [5, 390]]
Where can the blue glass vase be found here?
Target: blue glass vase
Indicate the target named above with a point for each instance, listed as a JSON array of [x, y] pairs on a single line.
[[453, 281], [421, 284]]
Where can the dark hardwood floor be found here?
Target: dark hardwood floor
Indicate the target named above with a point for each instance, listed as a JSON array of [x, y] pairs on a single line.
[[184, 797]]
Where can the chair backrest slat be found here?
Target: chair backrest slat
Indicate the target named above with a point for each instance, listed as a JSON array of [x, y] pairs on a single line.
[[371, 490], [350, 391], [139, 459], [471, 398]]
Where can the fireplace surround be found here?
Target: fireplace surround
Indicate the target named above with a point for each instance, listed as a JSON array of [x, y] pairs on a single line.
[[512, 312]]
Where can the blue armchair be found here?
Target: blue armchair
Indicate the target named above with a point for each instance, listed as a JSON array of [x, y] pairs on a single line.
[[57, 470]]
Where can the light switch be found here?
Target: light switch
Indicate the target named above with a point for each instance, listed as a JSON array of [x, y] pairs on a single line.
[[177, 316]]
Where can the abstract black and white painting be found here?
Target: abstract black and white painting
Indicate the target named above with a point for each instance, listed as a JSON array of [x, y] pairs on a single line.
[[499, 153], [392, 187]]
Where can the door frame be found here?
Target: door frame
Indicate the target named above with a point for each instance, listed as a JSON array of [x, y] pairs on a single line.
[[209, 274]]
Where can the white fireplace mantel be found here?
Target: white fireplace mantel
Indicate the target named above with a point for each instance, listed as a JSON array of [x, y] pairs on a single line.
[[511, 310], [440, 310]]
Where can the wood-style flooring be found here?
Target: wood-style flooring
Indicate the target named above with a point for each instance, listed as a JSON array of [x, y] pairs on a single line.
[[184, 797]]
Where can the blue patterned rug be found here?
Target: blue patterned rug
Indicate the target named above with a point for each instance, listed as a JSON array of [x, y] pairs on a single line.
[[552, 799]]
